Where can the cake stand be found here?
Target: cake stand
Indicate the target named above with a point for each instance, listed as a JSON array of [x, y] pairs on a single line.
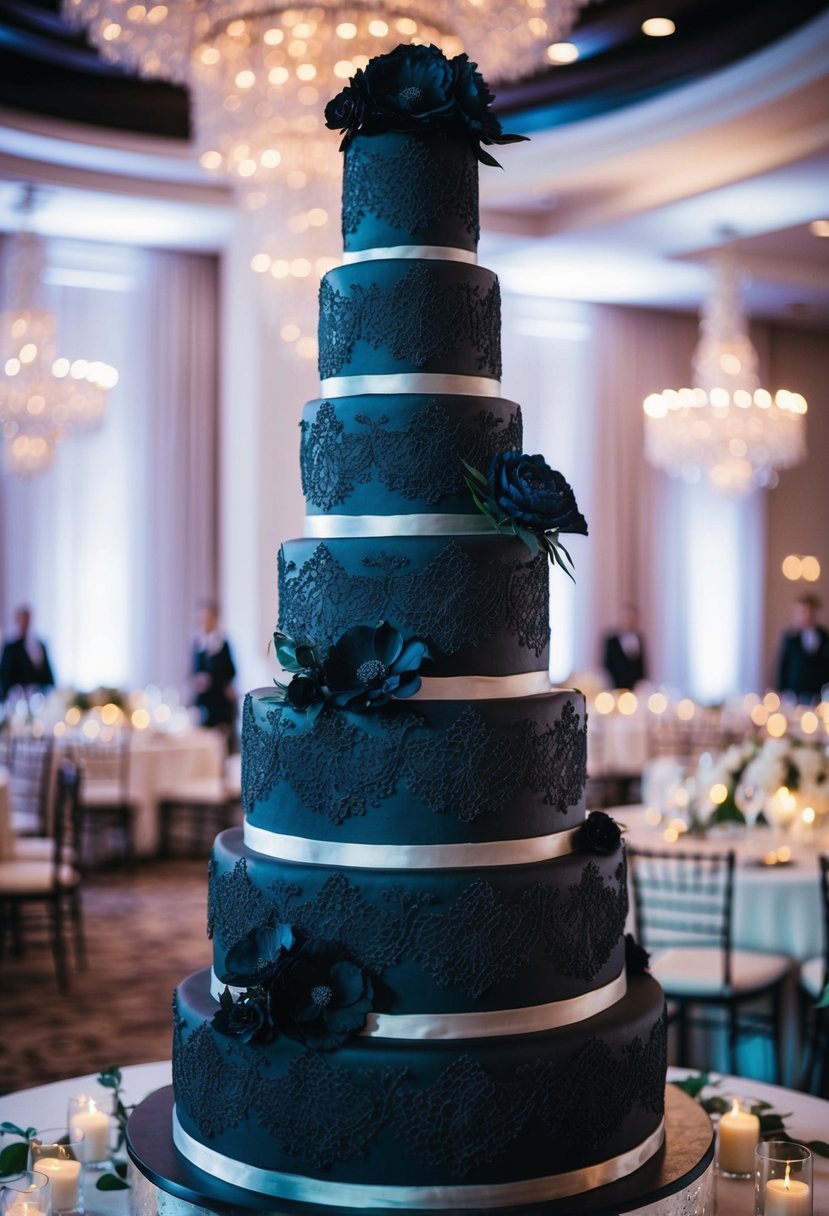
[[678, 1181]]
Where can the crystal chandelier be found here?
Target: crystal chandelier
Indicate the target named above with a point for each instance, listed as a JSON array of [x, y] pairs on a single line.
[[43, 397], [257, 73], [727, 428]]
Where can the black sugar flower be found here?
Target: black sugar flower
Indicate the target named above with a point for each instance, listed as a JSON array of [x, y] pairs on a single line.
[[366, 667], [322, 997], [599, 834]]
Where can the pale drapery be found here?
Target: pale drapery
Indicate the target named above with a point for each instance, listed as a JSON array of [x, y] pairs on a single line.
[[691, 560], [113, 545]]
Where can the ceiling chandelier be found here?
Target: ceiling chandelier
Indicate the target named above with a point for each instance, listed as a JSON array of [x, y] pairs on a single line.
[[259, 76], [43, 396], [727, 428]]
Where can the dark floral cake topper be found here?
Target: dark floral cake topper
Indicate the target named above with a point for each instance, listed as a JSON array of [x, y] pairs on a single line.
[[363, 670], [308, 990], [415, 90], [522, 495]]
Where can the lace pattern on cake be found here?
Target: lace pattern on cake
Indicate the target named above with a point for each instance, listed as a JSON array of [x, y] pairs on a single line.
[[321, 1114], [453, 602], [482, 938], [338, 769], [418, 320], [422, 462], [407, 190]]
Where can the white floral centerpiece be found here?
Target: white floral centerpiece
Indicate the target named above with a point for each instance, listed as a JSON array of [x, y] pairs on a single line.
[[784, 780]]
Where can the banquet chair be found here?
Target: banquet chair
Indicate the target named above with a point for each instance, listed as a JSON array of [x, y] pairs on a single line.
[[30, 770], [683, 905], [107, 809], [193, 811], [47, 891], [814, 976]]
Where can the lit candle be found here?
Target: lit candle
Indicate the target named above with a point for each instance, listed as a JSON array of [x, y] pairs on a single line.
[[788, 1197], [739, 1133], [21, 1208], [65, 1177], [94, 1124]]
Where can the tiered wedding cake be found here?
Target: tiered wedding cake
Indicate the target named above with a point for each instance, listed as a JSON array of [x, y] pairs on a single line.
[[422, 933]]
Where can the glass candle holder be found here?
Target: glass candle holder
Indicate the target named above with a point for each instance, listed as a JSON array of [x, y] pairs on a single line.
[[56, 1155], [783, 1179], [738, 1133], [27, 1194], [87, 1116]]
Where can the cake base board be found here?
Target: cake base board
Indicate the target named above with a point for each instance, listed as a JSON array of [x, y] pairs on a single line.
[[685, 1157]]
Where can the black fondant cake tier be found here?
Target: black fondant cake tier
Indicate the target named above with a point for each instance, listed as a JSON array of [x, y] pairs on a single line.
[[481, 602], [385, 454], [390, 1113], [401, 189], [406, 315], [441, 940], [416, 772]]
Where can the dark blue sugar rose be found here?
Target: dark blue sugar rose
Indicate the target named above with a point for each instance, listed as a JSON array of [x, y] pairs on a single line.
[[322, 997], [409, 87], [259, 957], [346, 111], [599, 834], [366, 667], [637, 958], [304, 691], [532, 495], [248, 1019], [473, 99]]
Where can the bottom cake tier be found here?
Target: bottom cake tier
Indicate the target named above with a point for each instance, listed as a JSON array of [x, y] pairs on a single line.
[[478, 1123]]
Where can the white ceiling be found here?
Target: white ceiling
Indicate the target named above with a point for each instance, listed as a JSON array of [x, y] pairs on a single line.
[[621, 208]]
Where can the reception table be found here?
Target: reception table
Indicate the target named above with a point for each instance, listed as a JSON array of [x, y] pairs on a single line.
[[808, 1119], [776, 908]]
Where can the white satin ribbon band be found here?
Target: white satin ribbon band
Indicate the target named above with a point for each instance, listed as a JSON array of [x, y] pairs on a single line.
[[357, 1195], [441, 253], [411, 382], [532, 1019], [483, 688], [335, 526], [408, 856]]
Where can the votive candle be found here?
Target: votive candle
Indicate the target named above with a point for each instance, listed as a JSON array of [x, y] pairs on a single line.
[[738, 1134], [84, 1116], [65, 1177], [788, 1196]]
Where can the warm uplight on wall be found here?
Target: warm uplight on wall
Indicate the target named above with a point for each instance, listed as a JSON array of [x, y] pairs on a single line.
[[795, 567], [562, 52], [819, 227], [658, 27]]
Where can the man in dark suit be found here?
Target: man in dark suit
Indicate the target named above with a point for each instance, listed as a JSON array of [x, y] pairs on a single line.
[[624, 651], [803, 664], [213, 672], [24, 662]]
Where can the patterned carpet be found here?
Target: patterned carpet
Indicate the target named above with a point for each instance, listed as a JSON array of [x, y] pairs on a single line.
[[144, 934]]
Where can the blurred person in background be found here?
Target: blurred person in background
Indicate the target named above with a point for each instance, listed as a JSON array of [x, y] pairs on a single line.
[[803, 662], [24, 662], [624, 651], [213, 672]]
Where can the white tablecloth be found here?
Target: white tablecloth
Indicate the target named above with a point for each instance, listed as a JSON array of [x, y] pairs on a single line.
[[776, 908], [158, 763], [808, 1120]]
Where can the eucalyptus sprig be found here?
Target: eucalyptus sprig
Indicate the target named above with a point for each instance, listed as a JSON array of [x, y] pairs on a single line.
[[111, 1078], [772, 1123], [15, 1157]]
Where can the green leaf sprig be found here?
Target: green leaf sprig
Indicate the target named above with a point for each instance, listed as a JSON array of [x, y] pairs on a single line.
[[15, 1157], [111, 1078]]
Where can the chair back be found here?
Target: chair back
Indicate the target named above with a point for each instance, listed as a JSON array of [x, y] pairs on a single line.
[[30, 767], [106, 765], [67, 820], [683, 899]]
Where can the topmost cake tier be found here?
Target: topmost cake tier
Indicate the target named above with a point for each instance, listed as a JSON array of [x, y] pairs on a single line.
[[402, 189]]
